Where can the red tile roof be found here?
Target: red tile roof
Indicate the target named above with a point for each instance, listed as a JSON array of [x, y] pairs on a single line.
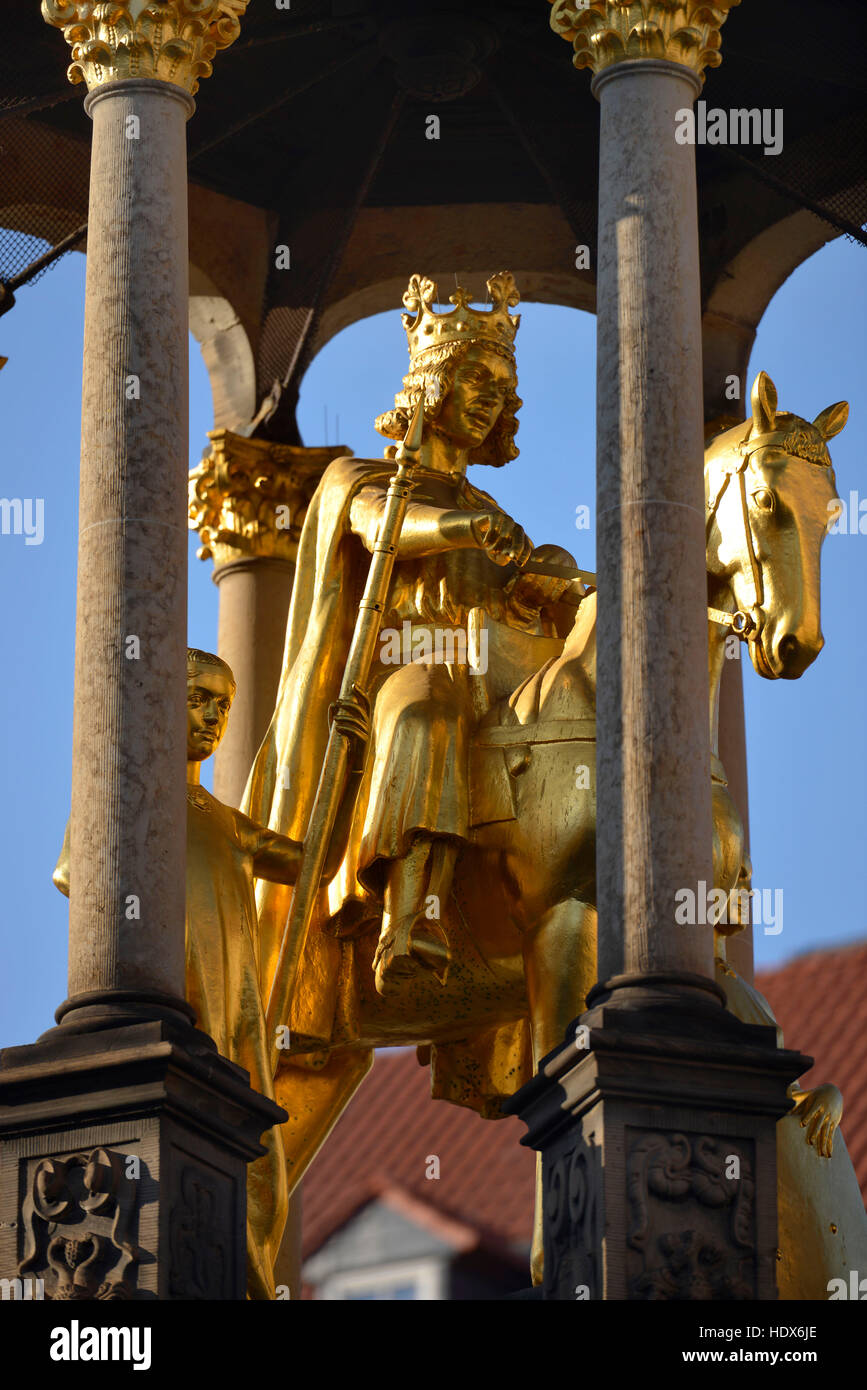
[[381, 1145], [820, 1001], [383, 1141]]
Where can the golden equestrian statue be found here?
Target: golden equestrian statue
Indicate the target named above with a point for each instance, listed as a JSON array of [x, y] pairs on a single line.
[[462, 916]]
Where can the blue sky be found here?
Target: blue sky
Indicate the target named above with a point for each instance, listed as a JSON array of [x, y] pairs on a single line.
[[806, 746]]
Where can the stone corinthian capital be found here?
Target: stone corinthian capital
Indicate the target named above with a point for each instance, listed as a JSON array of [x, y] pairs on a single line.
[[173, 40], [605, 32]]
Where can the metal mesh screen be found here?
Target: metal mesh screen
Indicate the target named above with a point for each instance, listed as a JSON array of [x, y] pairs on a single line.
[[26, 146], [816, 171], [43, 187], [819, 94]]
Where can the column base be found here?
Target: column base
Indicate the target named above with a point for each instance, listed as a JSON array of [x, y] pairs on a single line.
[[95, 1009], [656, 1121], [124, 1164]]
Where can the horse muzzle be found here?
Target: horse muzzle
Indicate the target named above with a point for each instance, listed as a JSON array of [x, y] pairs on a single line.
[[786, 656]]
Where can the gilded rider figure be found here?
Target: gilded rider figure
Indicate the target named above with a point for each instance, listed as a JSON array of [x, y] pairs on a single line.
[[458, 552]]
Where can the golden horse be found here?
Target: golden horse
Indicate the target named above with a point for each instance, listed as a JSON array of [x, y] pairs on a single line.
[[521, 918]]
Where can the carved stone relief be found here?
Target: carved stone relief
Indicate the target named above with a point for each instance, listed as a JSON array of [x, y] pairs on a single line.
[[78, 1217]]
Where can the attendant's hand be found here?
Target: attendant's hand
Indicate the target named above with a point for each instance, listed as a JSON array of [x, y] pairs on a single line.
[[501, 537], [821, 1111]]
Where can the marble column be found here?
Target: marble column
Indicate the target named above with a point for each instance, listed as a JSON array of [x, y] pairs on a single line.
[[128, 815], [127, 833], [125, 1099], [653, 794], [656, 1076]]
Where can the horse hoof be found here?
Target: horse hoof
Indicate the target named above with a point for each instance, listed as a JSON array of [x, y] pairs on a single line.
[[414, 950]]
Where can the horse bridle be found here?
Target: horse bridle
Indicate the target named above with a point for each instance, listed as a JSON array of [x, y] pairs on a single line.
[[745, 625]]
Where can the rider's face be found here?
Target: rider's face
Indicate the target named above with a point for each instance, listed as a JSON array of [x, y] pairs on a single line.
[[475, 402]]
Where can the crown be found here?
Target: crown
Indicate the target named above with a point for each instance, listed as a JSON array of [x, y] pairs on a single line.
[[426, 329]]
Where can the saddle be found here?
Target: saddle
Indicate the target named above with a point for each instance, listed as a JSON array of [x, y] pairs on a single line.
[[502, 744]]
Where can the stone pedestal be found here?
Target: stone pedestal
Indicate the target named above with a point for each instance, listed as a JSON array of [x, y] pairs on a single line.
[[657, 1129], [124, 1164]]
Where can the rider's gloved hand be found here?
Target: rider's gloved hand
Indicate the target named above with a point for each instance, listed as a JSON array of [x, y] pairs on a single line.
[[503, 539]]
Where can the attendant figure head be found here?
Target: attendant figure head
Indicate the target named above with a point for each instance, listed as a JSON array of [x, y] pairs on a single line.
[[210, 692]]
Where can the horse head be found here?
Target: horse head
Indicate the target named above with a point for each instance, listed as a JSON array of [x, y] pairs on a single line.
[[771, 496]]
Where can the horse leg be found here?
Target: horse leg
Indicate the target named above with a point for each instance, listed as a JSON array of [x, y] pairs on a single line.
[[560, 968], [315, 1099]]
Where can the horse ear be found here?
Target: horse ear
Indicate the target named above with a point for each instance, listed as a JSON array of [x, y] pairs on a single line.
[[763, 399], [832, 420]]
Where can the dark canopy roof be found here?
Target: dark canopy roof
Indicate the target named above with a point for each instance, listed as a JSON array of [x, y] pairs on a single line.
[[315, 121]]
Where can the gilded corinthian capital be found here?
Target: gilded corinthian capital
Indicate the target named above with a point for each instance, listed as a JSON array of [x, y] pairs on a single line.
[[173, 40], [248, 497], [605, 32]]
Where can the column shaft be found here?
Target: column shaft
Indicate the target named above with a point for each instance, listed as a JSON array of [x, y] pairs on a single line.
[[128, 826], [254, 603], [654, 814]]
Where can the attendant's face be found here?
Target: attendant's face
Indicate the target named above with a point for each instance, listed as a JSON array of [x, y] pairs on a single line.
[[475, 402], [209, 699]]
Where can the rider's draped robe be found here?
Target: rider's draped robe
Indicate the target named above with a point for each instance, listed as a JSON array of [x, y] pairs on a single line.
[[415, 775]]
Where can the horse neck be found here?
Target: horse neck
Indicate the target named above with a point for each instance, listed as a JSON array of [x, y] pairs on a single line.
[[719, 595]]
